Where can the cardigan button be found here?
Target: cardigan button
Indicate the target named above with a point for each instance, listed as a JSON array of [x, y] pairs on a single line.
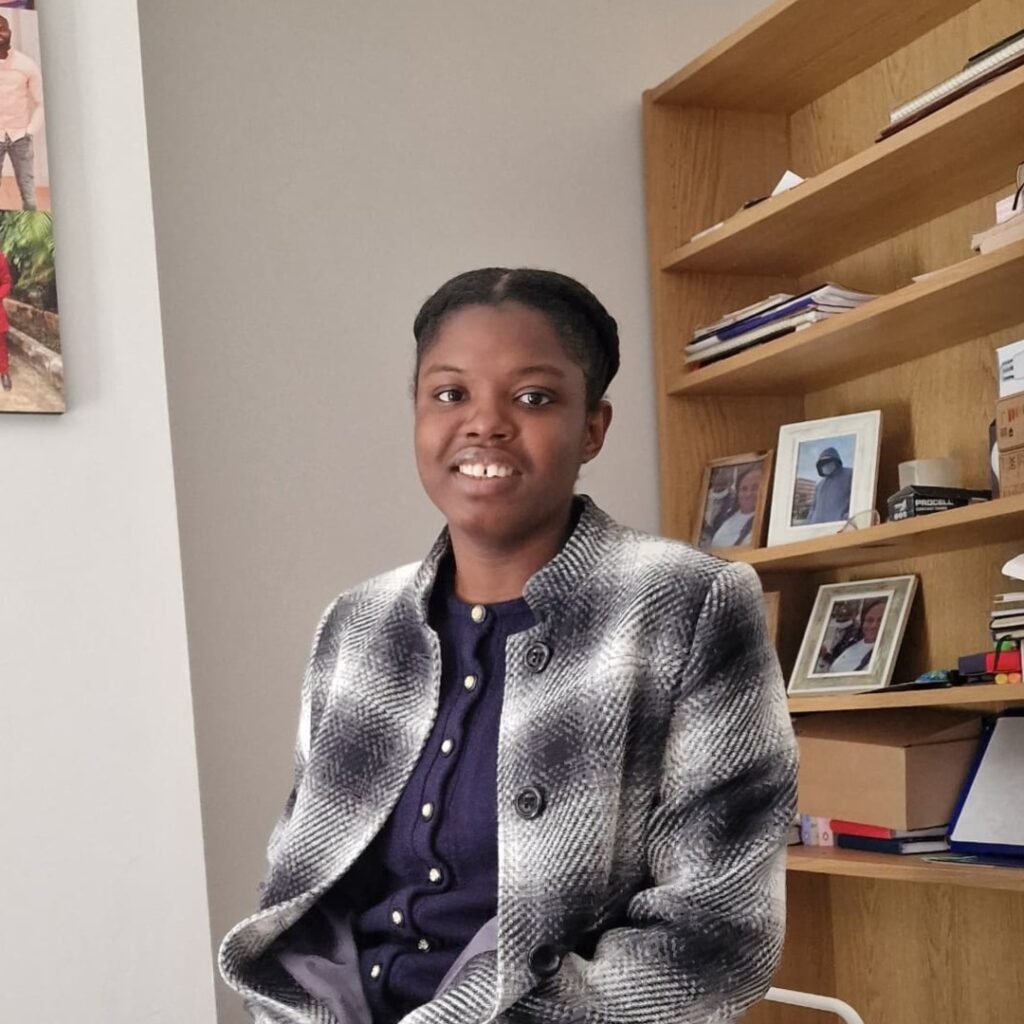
[[537, 657], [545, 960], [530, 802]]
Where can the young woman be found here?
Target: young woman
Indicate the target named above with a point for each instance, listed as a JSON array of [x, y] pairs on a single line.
[[545, 774]]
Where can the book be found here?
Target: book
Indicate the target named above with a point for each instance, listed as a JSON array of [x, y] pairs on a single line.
[[740, 314], [768, 332], [947, 98], [983, 63], [1006, 614], [1012, 38], [828, 295], [856, 828], [833, 296], [869, 845]]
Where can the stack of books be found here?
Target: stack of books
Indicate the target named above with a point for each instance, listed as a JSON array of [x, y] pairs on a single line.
[[990, 63], [854, 835], [772, 318], [1007, 622], [1001, 665]]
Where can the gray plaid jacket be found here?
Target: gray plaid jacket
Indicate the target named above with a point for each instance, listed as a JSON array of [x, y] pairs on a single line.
[[646, 781]]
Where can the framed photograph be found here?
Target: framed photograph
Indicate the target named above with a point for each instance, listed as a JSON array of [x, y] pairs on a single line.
[[31, 359], [733, 497], [826, 472], [853, 636]]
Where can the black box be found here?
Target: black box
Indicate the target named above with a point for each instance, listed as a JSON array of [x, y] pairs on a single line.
[[922, 501]]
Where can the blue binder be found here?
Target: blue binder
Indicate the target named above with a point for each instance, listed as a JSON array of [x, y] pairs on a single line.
[[989, 818]]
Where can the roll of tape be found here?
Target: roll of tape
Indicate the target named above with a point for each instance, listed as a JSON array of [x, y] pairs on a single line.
[[942, 472]]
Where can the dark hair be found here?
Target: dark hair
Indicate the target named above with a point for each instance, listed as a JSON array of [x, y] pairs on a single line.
[[586, 329]]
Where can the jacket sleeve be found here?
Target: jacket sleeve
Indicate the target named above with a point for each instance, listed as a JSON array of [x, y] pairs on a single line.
[[314, 681], [704, 939]]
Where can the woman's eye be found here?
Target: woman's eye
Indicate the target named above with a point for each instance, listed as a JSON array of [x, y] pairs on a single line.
[[449, 395], [534, 399]]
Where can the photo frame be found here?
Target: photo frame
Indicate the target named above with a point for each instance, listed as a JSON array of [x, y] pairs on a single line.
[[826, 472], [732, 501], [853, 636]]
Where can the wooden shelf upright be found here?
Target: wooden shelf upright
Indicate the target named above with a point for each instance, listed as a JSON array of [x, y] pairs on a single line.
[[807, 85]]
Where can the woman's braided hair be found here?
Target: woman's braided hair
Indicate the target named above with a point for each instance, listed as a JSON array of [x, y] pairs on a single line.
[[586, 329]]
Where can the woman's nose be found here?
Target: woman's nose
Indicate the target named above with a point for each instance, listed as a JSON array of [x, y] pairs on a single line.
[[488, 419]]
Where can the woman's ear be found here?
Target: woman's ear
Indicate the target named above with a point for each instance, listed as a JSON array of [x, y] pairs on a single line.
[[597, 425]]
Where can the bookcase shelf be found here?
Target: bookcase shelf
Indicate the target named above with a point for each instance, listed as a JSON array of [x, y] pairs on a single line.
[[902, 868], [805, 85], [988, 522], [991, 698], [874, 195], [754, 68], [978, 297]]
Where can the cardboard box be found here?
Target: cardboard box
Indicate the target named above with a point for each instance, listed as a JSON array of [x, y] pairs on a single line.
[[1010, 423], [1011, 473], [917, 500], [900, 769]]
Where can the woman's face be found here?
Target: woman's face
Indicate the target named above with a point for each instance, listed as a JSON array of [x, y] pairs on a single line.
[[501, 424]]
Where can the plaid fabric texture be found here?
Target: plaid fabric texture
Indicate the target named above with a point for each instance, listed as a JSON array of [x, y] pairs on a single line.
[[652, 881]]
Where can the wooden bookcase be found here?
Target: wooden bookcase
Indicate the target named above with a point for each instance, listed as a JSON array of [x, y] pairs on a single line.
[[807, 85]]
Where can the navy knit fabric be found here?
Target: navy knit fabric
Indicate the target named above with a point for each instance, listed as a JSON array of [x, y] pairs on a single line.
[[427, 883]]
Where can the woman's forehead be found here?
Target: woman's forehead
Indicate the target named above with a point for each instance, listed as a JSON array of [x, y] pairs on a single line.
[[509, 336]]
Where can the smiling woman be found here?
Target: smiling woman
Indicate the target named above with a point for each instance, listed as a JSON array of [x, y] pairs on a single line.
[[547, 773]]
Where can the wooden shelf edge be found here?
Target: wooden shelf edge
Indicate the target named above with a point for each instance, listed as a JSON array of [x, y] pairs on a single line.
[[742, 71], [770, 215], [829, 351], [902, 868], [984, 523], [986, 695]]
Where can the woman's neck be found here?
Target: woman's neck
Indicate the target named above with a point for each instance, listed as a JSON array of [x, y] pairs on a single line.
[[486, 572]]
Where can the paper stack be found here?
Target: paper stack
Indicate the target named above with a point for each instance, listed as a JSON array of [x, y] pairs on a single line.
[[771, 318]]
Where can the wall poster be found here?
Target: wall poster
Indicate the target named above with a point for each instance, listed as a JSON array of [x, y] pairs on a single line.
[[31, 366]]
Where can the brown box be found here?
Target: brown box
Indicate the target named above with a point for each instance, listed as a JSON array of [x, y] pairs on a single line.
[[1010, 423], [1011, 473], [900, 769]]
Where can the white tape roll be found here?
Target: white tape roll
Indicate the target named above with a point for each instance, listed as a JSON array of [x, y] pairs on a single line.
[[944, 472]]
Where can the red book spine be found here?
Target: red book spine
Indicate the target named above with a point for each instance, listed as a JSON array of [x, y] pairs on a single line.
[[855, 828], [1002, 661]]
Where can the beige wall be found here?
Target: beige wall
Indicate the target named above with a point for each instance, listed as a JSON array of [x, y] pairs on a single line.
[[104, 895], [318, 169]]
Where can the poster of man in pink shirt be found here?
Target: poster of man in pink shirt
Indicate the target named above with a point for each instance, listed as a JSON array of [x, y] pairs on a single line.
[[21, 112], [31, 363]]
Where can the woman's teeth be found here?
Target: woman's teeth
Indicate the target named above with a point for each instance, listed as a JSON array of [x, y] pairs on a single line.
[[478, 469]]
